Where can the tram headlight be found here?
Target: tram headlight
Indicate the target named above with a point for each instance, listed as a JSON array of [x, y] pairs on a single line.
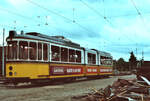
[[10, 67], [10, 73]]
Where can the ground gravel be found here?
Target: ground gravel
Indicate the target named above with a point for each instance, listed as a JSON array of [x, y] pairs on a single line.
[[55, 92]]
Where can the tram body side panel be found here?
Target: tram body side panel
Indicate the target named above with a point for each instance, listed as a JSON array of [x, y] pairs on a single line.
[[66, 70], [43, 70], [92, 70], [30, 70], [105, 70]]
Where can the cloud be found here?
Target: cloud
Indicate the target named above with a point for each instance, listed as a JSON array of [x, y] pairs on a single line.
[[127, 32]]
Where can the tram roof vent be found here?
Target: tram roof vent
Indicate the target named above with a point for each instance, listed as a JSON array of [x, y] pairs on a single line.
[[33, 33], [12, 33]]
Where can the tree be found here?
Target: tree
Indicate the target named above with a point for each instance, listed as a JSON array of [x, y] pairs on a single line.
[[132, 61], [120, 64]]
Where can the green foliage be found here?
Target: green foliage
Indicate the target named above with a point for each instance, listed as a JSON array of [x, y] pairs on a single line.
[[132, 61], [121, 65]]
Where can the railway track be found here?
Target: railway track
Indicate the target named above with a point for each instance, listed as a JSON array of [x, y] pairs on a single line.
[[40, 84]]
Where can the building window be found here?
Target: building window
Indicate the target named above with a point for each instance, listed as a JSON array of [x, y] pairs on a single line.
[[23, 50], [64, 54], [55, 53], [32, 51], [12, 50], [39, 51], [78, 56], [71, 55]]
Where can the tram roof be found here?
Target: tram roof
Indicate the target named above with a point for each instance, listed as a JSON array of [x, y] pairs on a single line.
[[38, 36]]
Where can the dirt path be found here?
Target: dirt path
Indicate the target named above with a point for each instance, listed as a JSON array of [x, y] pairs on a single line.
[[61, 92]]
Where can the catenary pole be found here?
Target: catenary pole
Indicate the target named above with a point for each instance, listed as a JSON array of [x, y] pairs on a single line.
[[3, 68]]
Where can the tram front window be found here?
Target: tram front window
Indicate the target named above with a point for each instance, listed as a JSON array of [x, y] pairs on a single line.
[[23, 50], [12, 50], [32, 51]]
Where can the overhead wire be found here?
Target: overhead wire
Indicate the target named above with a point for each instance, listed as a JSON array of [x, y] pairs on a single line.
[[141, 16], [104, 17], [64, 17], [30, 18], [138, 11]]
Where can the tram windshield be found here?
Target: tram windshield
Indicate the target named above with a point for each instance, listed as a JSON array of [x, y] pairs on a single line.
[[106, 60], [23, 50], [12, 50]]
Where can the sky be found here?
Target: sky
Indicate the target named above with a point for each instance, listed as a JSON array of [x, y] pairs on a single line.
[[114, 26]]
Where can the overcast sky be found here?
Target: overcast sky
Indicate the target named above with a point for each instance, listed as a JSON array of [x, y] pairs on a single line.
[[115, 26]]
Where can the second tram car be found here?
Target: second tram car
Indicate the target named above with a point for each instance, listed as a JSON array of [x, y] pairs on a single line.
[[34, 56]]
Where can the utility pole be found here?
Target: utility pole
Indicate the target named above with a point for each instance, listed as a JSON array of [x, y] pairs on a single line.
[[142, 56], [3, 60]]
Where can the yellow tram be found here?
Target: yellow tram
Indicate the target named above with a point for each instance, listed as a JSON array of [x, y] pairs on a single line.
[[34, 56]]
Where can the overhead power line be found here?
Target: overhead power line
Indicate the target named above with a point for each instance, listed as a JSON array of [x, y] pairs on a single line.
[[104, 17], [141, 16], [66, 18], [139, 13], [28, 18]]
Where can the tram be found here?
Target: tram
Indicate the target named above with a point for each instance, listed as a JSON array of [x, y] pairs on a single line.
[[33, 56]]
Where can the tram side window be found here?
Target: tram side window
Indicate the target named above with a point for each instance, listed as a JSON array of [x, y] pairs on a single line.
[[71, 55], [32, 51], [89, 58], [109, 61], [55, 53], [45, 50], [23, 50], [102, 60], [64, 54], [93, 58], [78, 58], [39, 51], [12, 50]]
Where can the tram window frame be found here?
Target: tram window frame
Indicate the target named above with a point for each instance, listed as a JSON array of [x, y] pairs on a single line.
[[93, 58], [64, 54], [78, 58], [45, 51], [72, 54], [32, 50], [39, 51], [23, 50], [102, 59], [89, 58], [12, 50], [55, 50]]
